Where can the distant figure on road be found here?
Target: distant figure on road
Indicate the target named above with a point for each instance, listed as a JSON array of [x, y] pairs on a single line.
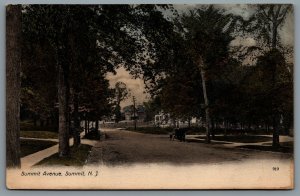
[[179, 133]]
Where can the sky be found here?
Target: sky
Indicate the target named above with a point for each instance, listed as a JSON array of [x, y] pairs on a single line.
[[137, 86]]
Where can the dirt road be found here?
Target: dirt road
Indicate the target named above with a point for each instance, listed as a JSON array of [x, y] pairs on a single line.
[[125, 147]]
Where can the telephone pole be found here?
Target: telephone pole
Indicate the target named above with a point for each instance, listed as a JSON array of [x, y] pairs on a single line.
[[134, 112]]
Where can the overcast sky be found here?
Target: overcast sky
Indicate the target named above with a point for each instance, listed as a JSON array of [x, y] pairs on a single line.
[[137, 86]]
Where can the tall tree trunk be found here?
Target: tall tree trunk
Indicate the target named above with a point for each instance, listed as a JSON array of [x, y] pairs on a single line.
[[226, 127], [85, 125], [275, 143], [47, 121], [275, 117], [274, 38], [13, 84], [34, 120], [275, 112], [76, 130], [212, 129], [63, 125], [97, 125], [207, 119], [42, 122]]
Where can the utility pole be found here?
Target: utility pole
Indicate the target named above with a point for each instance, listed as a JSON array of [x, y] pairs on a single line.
[[134, 112]]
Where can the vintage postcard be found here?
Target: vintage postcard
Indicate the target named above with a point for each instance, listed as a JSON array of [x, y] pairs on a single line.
[[150, 96]]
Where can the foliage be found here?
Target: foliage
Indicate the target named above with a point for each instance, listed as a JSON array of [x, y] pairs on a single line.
[[152, 107], [182, 59], [266, 21]]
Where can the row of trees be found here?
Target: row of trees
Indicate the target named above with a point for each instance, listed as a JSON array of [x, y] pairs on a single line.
[[66, 52], [206, 76], [186, 60]]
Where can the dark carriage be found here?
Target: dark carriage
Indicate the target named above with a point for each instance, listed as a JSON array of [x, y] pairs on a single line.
[[179, 133]]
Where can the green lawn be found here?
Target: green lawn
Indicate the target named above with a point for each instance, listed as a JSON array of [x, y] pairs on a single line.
[[29, 126], [283, 149], [77, 158], [241, 138], [31, 146], [203, 141], [39, 134], [151, 130]]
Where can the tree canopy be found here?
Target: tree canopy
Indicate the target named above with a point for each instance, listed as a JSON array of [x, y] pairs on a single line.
[[187, 61]]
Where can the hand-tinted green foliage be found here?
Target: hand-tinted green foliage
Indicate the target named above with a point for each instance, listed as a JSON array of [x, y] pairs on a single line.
[[88, 40], [92, 40], [207, 33], [238, 95]]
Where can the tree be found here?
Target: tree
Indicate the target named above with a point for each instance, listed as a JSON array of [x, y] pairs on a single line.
[[208, 34], [152, 107], [13, 85], [121, 93], [179, 96], [276, 87], [83, 39], [48, 24], [266, 22]]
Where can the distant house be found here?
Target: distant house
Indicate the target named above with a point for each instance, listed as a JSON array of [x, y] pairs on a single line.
[[140, 113]]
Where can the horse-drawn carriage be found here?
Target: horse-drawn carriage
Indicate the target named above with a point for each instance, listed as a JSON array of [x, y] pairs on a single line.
[[179, 133]]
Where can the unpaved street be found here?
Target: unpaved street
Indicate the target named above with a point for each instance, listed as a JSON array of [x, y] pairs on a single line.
[[126, 147]]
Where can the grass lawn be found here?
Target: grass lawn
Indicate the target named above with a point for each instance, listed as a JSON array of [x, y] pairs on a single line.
[[283, 149], [241, 138], [151, 130], [29, 126], [77, 158], [31, 146], [203, 141], [39, 134]]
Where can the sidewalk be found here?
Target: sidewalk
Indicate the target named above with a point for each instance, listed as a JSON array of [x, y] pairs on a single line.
[[32, 159]]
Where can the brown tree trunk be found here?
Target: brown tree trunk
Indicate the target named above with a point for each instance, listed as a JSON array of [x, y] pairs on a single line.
[[13, 84], [212, 129], [97, 125], [207, 118], [85, 126], [34, 120], [76, 130], [275, 143], [274, 37], [47, 121], [225, 127], [63, 131], [275, 115], [42, 122]]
